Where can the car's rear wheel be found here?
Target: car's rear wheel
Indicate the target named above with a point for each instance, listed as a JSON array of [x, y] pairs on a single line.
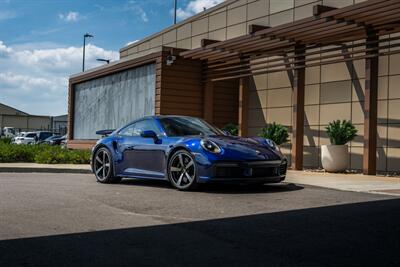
[[182, 171], [103, 167]]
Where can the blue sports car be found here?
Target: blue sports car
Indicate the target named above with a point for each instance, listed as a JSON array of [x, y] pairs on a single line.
[[186, 151]]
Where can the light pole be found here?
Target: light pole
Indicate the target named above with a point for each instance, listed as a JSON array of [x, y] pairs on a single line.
[[104, 60], [86, 35], [175, 7]]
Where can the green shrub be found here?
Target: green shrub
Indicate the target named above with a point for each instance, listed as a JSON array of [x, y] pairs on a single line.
[[341, 132], [5, 140], [42, 154], [231, 128], [276, 132]]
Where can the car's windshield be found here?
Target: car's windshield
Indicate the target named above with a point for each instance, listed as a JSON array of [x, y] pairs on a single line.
[[183, 126]]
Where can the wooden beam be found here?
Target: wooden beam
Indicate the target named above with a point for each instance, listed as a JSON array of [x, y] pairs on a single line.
[[370, 107], [243, 106], [255, 28], [205, 42], [208, 101], [298, 110], [319, 9], [71, 111]]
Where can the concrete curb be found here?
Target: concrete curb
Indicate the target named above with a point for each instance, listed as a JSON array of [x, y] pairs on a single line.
[[43, 170]]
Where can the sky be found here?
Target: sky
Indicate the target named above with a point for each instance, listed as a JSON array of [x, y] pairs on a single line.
[[41, 42]]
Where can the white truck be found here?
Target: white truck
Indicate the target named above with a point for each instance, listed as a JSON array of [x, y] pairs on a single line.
[[8, 132]]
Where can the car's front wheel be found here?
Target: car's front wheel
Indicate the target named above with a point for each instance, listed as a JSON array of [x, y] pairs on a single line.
[[103, 167], [182, 171]]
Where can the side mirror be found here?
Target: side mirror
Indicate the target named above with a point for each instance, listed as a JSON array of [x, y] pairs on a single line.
[[149, 134]]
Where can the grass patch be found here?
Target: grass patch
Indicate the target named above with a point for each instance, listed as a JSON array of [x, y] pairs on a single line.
[[42, 154]]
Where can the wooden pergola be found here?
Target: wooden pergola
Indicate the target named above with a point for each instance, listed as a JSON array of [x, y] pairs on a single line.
[[363, 28]]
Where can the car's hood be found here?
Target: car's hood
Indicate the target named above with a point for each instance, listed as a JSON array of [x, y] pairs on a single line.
[[246, 148]]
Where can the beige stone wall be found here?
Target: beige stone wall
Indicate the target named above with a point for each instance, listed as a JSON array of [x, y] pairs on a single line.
[[334, 91], [227, 20]]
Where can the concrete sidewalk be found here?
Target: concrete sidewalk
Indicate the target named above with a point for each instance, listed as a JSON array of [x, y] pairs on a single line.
[[347, 182], [51, 168]]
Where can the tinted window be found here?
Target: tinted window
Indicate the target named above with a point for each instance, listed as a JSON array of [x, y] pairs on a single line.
[[137, 128], [43, 136], [183, 126], [30, 135]]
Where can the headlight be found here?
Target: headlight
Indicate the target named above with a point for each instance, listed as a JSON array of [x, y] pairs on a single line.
[[272, 144], [210, 146]]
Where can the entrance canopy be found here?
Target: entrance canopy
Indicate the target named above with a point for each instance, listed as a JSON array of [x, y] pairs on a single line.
[[307, 42]]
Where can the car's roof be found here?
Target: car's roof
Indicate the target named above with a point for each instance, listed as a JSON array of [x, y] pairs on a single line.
[[172, 116]]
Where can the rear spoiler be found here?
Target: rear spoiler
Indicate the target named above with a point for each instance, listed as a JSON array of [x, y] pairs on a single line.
[[105, 132]]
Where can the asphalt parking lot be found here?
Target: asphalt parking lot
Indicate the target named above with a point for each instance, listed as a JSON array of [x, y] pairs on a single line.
[[70, 220]]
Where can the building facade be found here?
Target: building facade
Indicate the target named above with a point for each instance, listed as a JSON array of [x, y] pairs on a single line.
[[22, 121], [301, 63]]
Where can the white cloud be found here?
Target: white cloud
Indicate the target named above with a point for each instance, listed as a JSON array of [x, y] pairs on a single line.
[[194, 7], [36, 80], [71, 16], [138, 11]]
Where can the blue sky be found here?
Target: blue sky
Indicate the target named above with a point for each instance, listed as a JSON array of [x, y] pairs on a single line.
[[41, 42]]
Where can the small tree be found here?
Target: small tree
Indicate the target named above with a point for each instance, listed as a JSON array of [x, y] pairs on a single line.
[[231, 128], [276, 132], [341, 132]]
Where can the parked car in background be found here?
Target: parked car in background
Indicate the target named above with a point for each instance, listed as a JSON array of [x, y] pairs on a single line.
[[25, 138], [42, 135], [8, 132], [53, 140]]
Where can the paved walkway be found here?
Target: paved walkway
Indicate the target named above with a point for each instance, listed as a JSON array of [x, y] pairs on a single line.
[[345, 182], [34, 167]]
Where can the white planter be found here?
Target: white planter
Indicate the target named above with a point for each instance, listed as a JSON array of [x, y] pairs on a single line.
[[335, 158]]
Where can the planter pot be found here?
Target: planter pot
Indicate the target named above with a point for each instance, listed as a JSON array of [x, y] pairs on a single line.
[[335, 158]]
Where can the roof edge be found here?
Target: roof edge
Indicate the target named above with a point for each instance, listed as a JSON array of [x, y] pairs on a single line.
[[177, 25]]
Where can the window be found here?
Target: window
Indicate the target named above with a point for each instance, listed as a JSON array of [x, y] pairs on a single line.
[[44, 135], [137, 128], [30, 135], [182, 126]]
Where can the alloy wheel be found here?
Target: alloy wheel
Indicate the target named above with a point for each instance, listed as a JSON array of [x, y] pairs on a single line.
[[102, 165], [182, 171]]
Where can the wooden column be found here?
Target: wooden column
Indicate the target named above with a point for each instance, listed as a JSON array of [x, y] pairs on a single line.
[[208, 101], [71, 108], [370, 105], [243, 105], [298, 111]]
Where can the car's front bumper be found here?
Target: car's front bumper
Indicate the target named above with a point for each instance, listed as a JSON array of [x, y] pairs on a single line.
[[250, 171]]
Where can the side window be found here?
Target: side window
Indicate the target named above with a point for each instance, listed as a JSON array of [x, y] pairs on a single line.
[[145, 125], [128, 130], [137, 128]]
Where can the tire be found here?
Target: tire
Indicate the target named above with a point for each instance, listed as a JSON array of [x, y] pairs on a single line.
[[182, 171], [103, 167]]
